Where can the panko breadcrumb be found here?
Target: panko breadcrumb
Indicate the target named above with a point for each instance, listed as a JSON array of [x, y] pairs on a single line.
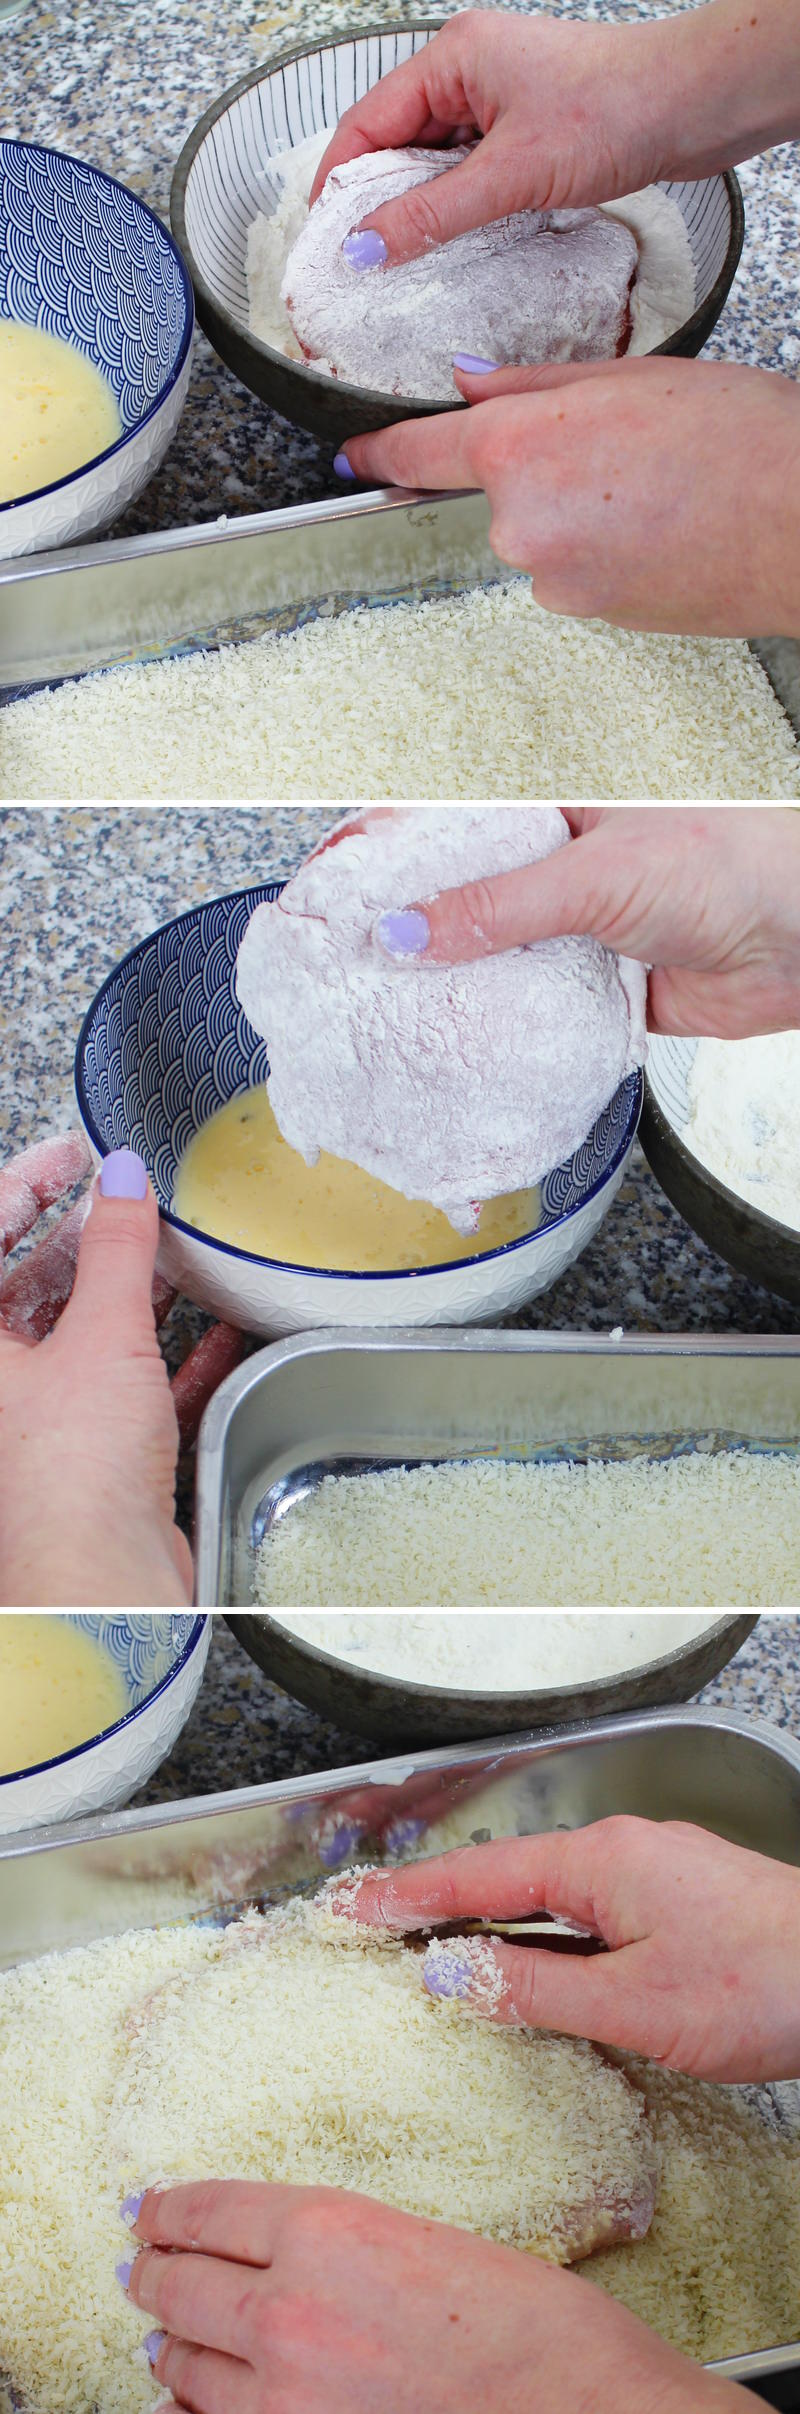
[[472, 695], [701, 1530]]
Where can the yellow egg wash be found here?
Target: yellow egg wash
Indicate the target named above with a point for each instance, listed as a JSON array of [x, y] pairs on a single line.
[[240, 1181], [56, 410], [58, 1687]]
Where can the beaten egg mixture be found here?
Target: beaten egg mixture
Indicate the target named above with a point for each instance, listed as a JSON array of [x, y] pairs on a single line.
[[241, 1182], [56, 410], [58, 1687]]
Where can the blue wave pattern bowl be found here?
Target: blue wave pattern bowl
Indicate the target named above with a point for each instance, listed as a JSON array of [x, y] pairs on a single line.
[[161, 1660], [84, 259], [165, 1042]]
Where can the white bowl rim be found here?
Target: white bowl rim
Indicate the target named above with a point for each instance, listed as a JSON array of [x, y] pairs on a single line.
[[39, 1768], [57, 485], [470, 1695], [283, 1265], [770, 1225]]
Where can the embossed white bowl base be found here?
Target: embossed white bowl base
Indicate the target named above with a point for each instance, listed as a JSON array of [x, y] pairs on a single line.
[[275, 1300], [162, 1660]]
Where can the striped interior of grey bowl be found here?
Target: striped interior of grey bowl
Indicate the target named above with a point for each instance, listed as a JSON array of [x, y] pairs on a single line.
[[669, 1064], [234, 174]]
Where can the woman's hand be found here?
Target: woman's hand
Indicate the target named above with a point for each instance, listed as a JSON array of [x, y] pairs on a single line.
[[654, 494], [569, 114], [89, 1427], [559, 108], [709, 897], [278, 2300], [702, 1971]]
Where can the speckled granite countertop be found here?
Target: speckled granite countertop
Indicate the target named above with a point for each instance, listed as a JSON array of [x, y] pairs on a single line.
[[121, 82], [78, 887], [244, 1731]]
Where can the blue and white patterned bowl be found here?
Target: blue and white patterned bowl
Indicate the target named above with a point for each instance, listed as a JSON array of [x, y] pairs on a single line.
[[165, 1043], [82, 258], [161, 1661]]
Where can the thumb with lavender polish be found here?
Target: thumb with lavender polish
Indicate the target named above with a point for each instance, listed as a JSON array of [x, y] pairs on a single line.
[[112, 1295], [365, 248], [405, 934]]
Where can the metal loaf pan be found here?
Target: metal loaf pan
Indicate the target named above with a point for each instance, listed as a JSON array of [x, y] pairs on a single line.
[[343, 1400], [89, 606], [737, 1776]]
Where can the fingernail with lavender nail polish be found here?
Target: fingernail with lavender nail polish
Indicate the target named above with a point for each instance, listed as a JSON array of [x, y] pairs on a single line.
[[403, 934], [339, 1846], [123, 2272], [403, 1832], [446, 1971], [472, 365], [153, 2344], [123, 1175], [131, 2207], [364, 250], [343, 469]]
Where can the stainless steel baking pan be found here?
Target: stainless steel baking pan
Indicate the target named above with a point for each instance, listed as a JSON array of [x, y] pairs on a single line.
[[129, 598], [352, 1399], [205, 1857], [90, 606]]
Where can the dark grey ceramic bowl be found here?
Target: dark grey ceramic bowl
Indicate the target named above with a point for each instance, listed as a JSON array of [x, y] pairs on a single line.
[[393, 1712], [757, 1245], [226, 174]]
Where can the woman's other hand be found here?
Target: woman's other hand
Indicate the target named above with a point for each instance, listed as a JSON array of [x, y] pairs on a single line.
[[653, 494], [281, 2300], [89, 1426]]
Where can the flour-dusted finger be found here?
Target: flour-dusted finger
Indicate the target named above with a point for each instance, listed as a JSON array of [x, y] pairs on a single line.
[[214, 1356], [468, 196], [531, 1986], [35, 1180], [34, 1292], [510, 1879], [164, 1294], [565, 892]]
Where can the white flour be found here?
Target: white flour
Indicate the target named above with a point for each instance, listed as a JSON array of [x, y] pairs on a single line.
[[456, 1083], [663, 293], [535, 286], [498, 1653], [745, 1119]]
